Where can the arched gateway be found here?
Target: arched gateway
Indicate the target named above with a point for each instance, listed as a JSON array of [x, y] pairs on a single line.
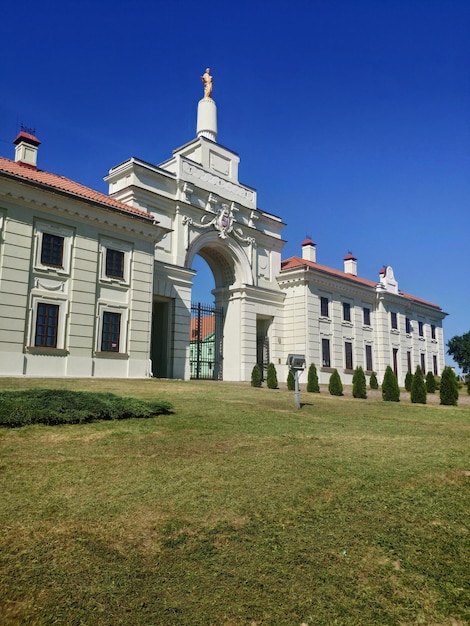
[[204, 210]]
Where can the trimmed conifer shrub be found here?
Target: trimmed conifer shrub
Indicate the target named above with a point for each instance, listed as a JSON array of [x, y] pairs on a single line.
[[418, 387], [359, 383], [373, 382], [256, 377], [312, 380], [271, 377], [390, 388], [290, 381], [449, 391], [335, 386], [430, 382], [408, 380]]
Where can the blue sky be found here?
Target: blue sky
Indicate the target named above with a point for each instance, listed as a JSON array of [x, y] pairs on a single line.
[[351, 117]]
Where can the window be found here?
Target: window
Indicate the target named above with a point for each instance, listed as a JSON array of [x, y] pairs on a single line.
[[433, 331], [111, 332], [52, 250], [423, 362], [325, 350], [434, 364], [369, 364], [115, 260], [47, 325], [394, 320], [408, 326], [346, 312], [348, 355], [408, 360], [395, 361], [324, 307], [421, 329], [366, 314], [114, 263]]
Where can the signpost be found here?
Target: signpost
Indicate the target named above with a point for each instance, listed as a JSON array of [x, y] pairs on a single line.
[[296, 364]]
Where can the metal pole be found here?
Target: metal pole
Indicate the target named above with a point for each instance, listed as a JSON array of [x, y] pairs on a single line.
[[297, 391]]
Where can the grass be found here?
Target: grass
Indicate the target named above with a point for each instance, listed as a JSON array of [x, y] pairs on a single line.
[[237, 510]]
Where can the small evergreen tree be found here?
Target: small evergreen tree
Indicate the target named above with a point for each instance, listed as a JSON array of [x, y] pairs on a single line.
[[271, 377], [430, 382], [256, 376], [418, 387], [359, 383], [449, 391], [390, 388], [290, 381], [373, 382], [408, 380], [335, 386], [312, 381]]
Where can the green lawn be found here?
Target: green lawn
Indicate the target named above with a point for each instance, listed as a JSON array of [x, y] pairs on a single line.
[[237, 510]]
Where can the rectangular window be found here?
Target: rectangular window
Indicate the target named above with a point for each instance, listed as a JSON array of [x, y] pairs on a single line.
[[111, 332], [394, 320], [47, 324], [421, 329], [433, 331], [408, 326], [366, 314], [52, 250], [324, 307], [434, 364], [369, 364], [325, 350], [423, 362], [395, 361], [348, 355], [346, 312], [408, 360], [114, 263]]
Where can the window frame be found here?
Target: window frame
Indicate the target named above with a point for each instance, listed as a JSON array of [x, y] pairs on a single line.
[[66, 233], [115, 245], [423, 362], [348, 356], [123, 311], [408, 326], [369, 357], [420, 329], [346, 311], [366, 317], [325, 351], [393, 320], [36, 301], [324, 306]]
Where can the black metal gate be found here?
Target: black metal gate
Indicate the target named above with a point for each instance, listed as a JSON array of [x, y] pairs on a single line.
[[262, 354], [205, 341]]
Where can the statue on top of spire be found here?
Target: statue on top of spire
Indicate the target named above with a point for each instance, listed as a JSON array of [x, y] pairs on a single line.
[[207, 80]]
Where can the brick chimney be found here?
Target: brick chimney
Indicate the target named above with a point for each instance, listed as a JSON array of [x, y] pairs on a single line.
[[350, 264], [309, 250], [26, 151]]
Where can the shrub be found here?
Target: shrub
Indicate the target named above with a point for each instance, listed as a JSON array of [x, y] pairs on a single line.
[[373, 382], [449, 392], [359, 383], [418, 387], [390, 388], [290, 381], [256, 376], [62, 406], [312, 380], [468, 384], [335, 386], [271, 377], [430, 382], [408, 380]]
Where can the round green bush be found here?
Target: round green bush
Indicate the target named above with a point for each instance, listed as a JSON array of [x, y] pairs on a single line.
[[373, 382], [359, 383], [335, 386], [312, 380], [271, 377], [256, 376], [390, 388]]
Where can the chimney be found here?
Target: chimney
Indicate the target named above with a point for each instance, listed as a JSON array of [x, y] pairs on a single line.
[[309, 250], [350, 264], [26, 151]]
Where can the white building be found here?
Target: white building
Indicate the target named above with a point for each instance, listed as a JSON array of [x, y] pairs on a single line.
[[96, 285]]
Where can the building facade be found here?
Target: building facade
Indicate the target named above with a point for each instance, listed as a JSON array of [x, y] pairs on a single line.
[[100, 285]]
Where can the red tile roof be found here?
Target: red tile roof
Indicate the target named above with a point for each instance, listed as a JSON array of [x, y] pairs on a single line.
[[22, 136], [296, 262], [54, 182], [206, 328]]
